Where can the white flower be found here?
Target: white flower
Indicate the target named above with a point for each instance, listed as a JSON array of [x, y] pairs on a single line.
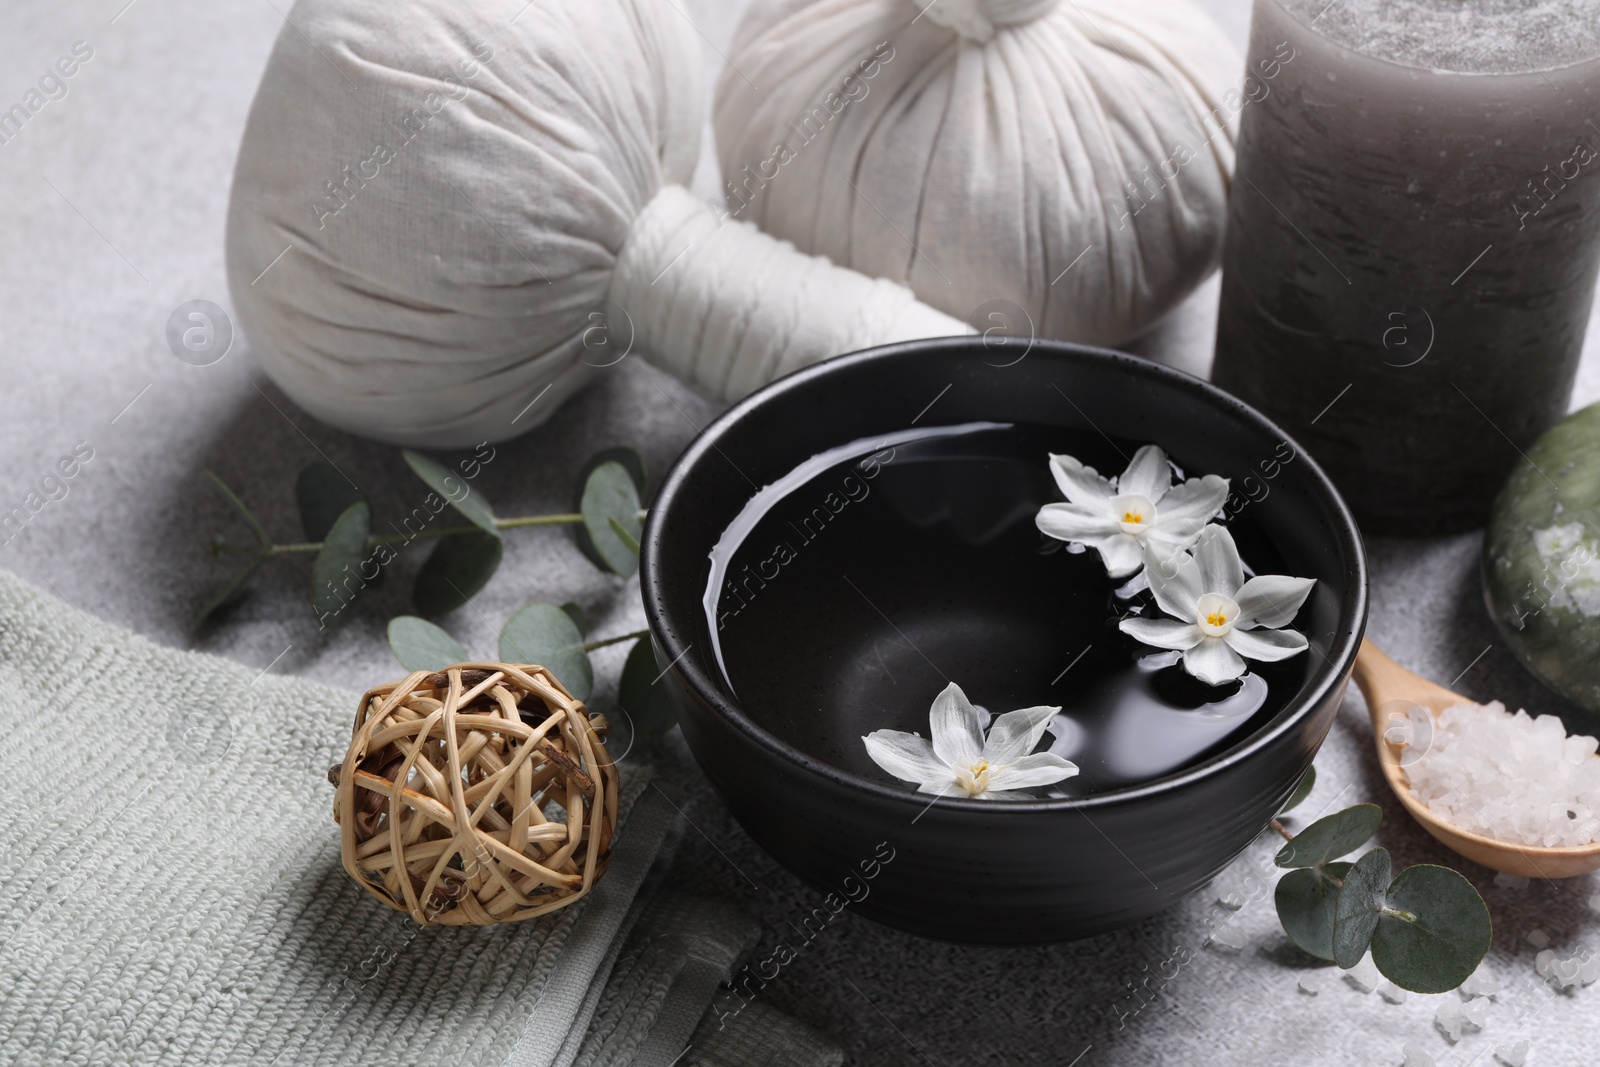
[[961, 759], [1142, 510], [1222, 620]]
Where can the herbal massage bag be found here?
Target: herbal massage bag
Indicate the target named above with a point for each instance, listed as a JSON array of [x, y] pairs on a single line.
[[447, 217], [1070, 157]]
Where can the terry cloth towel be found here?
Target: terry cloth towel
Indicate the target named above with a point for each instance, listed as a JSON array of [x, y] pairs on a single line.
[[670, 968], [758, 1036], [173, 892]]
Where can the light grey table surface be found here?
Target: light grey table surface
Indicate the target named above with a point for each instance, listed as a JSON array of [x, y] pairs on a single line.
[[113, 201]]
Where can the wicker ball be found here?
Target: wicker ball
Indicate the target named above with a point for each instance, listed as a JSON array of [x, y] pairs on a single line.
[[445, 797]]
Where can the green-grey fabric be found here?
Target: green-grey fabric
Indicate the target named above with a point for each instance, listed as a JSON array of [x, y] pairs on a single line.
[[173, 886]]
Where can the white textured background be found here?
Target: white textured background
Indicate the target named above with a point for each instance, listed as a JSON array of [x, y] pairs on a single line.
[[113, 201]]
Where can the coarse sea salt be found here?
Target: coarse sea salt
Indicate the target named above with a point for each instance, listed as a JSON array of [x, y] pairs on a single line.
[[1510, 777]]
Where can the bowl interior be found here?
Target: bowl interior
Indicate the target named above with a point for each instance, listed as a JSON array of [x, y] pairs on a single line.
[[870, 602]]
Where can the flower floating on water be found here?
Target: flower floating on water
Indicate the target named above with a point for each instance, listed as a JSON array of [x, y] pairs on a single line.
[[960, 759], [1219, 620], [1141, 510]]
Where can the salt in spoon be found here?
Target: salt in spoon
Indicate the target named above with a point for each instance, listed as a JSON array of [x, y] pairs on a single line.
[[1385, 684]]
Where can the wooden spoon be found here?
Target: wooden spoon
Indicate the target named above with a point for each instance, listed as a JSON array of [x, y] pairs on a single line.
[[1383, 682]]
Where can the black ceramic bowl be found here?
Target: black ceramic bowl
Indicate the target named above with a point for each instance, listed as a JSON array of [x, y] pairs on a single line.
[[986, 871]]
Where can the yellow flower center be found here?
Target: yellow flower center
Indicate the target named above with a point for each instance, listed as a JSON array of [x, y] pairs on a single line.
[[1216, 618], [1132, 516], [974, 780]]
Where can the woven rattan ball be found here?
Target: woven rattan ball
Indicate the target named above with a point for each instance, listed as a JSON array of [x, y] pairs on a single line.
[[446, 797]]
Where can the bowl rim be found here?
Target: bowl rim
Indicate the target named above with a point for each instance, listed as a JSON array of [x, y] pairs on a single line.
[[1353, 608]]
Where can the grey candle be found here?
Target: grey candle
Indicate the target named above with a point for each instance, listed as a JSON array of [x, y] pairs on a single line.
[[1414, 232]]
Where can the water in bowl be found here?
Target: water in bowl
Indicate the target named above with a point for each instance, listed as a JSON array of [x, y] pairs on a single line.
[[847, 594]]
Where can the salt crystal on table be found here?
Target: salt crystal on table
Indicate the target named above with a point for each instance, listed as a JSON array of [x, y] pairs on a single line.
[[1590, 971], [1415, 1057], [1594, 902], [1450, 1018], [1510, 881], [1364, 975], [1512, 1055], [1392, 993], [1538, 938], [1476, 1012], [1544, 963], [1311, 984], [1566, 971], [1481, 982], [1510, 777], [1231, 901], [1227, 938]]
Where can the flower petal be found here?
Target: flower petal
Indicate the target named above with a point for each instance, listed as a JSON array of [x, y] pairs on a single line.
[[1079, 484], [1041, 768], [1163, 633], [1221, 570], [906, 756], [1015, 733], [1174, 578], [1271, 600], [1120, 553], [944, 786], [1193, 502], [1213, 662], [1147, 475], [1077, 522], [956, 728], [1266, 646]]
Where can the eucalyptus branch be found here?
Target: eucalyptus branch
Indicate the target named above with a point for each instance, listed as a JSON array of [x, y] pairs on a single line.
[[603, 642], [220, 547]]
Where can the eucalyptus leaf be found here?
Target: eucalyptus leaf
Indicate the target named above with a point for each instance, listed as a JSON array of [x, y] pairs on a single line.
[[1331, 836], [609, 493], [1441, 935], [459, 566], [419, 645], [323, 493], [579, 617], [630, 459], [642, 697], [1360, 903], [546, 635], [628, 539], [229, 592], [343, 549], [1301, 791], [454, 488], [607, 490], [1306, 899], [232, 500]]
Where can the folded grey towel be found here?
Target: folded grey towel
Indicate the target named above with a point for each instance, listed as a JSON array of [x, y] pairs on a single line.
[[758, 1036], [670, 968], [173, 892]]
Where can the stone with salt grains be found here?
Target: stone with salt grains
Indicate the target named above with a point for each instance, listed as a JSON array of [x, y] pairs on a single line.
[[1508, 776]]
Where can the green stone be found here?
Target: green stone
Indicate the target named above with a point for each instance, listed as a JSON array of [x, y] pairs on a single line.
[[1541, 559]]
